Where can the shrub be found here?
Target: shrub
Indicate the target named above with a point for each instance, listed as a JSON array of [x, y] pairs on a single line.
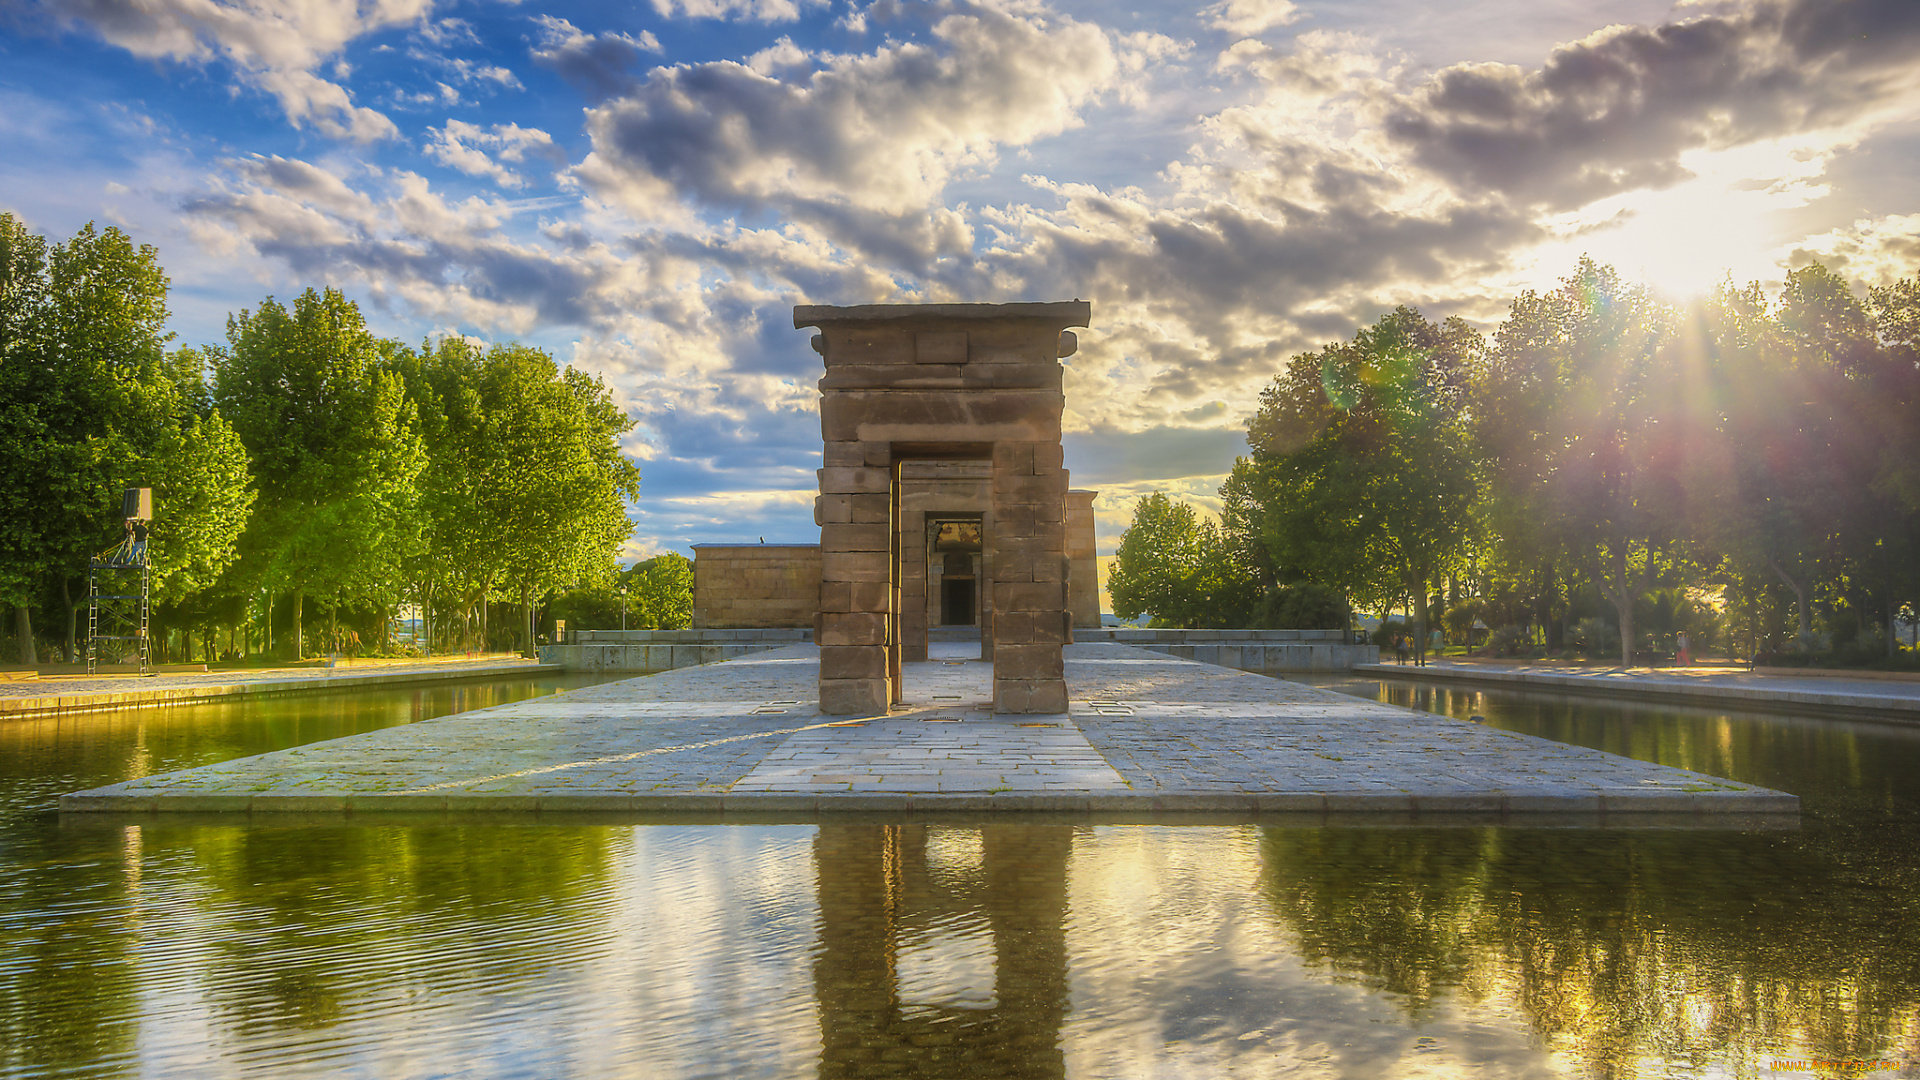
[[1460, 617], [1510, 640], [1305, 606], [1595, 637]]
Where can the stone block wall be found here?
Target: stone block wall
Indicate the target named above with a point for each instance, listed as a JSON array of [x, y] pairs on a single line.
[[1083, 573], [663, 650], [941, 382], [756, 585]]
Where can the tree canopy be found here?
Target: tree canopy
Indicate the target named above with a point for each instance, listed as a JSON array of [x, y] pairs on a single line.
[[1738, 454], [303, 460], [526, 487], [90, 404]]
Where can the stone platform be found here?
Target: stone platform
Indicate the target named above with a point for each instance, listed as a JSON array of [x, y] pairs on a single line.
[[1147, 736]]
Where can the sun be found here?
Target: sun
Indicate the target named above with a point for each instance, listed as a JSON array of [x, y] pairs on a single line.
[[1726, 220]]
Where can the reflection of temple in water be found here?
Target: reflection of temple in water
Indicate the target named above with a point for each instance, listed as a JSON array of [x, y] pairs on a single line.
[[942, 950]]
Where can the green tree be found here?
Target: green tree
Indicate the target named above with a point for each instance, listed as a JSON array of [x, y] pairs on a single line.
[[1775, 484], [1180, 568], [1809, 485], [1363, 467], [1587, 418], [660, 592], [1895, 424], [93, 406], [526, 487], [311, 395]]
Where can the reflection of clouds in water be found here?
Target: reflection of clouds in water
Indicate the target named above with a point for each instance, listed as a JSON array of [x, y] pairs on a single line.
[[946, 964], [1014, 950], [715, 925], [1178, 968], [947, 960]]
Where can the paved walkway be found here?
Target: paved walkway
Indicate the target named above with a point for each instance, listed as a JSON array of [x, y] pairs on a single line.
[[76, 693], [1888, 697], [1146, 734]]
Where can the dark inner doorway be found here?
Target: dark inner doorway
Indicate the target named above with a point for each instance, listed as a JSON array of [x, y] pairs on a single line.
[[956, 602]]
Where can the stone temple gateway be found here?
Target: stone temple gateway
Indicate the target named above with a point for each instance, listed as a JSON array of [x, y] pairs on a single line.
[[910, 391]]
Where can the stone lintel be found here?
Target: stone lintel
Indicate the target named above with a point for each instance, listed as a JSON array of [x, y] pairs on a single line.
[[1061, 313]]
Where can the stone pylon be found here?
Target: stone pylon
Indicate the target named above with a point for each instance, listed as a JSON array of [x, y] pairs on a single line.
[[917, 382]]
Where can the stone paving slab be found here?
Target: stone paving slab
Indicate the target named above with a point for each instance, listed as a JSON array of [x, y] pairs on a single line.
[[1145, 734], [1882, 698]]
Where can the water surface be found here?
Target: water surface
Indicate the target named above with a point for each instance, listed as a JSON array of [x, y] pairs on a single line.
[[882, 948]]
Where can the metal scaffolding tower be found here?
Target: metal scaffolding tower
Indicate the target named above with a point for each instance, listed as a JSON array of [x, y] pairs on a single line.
[[120, 589]]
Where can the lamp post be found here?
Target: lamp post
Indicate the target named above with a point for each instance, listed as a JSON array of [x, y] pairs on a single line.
[[623, 609]]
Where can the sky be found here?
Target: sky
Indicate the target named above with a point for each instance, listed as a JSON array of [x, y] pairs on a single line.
[[646, 189]]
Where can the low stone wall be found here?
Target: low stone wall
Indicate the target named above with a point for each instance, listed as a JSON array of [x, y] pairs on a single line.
[[665, 650], [1247, 650]]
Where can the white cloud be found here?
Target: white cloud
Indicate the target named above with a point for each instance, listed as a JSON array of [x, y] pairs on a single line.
[[1871, 251], [465, 72], [445, 32], [779, 56], [466, 147], [389, 237], [1248, 18], [1616, 111], [751, 10], [1319, 182], [276, 48], [860, 150], [596, 63]]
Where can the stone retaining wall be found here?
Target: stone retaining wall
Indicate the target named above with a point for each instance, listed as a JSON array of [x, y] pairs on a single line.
[[665, 650], [1247, 650]]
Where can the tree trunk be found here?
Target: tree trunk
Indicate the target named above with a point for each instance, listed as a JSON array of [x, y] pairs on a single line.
[[1893, 648], [1550, 592], [67, 647], [23, 631], [1619, 590], [1800, 589], [1886, 576], [1420, 610], [299, 641]]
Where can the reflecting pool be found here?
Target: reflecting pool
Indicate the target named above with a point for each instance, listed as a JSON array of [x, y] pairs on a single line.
[[859, 948]]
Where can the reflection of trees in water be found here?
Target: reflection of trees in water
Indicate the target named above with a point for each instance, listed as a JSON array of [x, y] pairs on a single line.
[[1618, 946], [69, 987], [887, 889], [316, 921], [1807, 756]]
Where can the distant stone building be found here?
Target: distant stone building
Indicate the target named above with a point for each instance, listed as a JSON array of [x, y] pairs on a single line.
[[754, 585]]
